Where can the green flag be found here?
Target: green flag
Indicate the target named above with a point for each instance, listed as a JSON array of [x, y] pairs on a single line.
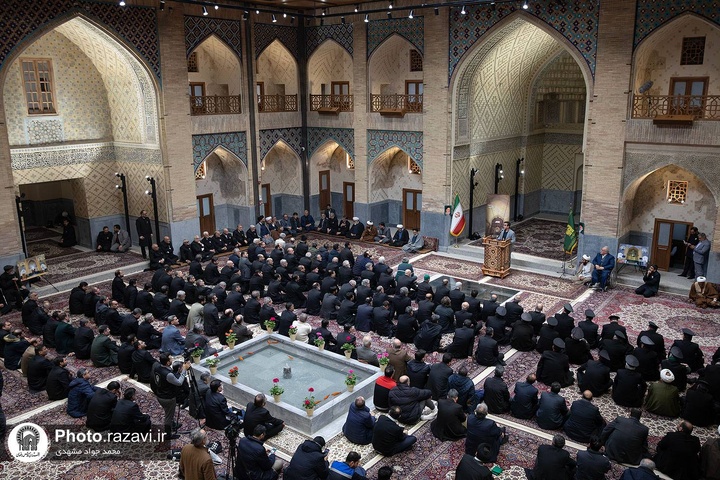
[[570, 234]]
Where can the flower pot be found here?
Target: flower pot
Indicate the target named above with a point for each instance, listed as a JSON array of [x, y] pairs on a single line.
[[277, 398], [292, 337], [350, 388], [213, 370], [233, 380], [231, 345], [348, 353], [269, 330], [382, 367], [321, 347], [196, 359], [310, 412]]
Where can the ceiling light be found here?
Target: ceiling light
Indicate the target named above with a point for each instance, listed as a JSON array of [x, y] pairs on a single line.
[[122, 3], [390, 5], [342, 20], [284, 15], [217, 7], [324, 11], [245, 15], [411, 14], [389, 14], [463, 12], [525, 5], [367, 18], [257, 12], [162, 5], [274, 20], [437, 11], [205, 12], [357, 7]]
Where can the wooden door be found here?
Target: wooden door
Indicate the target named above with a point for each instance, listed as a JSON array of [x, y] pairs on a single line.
[[689, 94], [197, 94], [340, 92], [349, 199], [412, 205], [662, 245], [324, 187], [206, 213], [260, 94], [267, 199], [414, 92]]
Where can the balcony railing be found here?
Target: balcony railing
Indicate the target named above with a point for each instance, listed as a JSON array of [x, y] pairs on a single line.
[[396, 103], [215, 105], [277, 103], [331, 103], [701, 107]]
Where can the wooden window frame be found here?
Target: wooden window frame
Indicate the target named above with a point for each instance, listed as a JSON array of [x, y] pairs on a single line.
[[683, 47], [411, 67], [39, 91], [689, 80]]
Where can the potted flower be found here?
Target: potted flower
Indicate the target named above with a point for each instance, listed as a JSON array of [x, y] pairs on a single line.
[[212, 363], [270, 325], [347, 349], [230, 339], [320, 342], [310, 403], [350, 380], [292, 331], [383, 359], [197, 353], [233, 373], [276, 390]]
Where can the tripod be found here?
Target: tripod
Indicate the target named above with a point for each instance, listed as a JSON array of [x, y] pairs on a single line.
[[195, 395]]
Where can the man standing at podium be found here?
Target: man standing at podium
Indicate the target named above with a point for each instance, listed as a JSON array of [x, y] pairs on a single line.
[[506, 233]]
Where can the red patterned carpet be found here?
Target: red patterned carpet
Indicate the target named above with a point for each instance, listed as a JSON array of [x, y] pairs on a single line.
[[537, 237], [450, 266], [83, 264]]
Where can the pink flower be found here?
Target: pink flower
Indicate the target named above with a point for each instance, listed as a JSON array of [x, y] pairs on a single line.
[[350, 371], [311, 389], [276, 380]]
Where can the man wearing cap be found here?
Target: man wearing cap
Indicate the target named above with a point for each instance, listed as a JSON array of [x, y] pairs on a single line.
[[566, 323], [609, 329], [649, 366], [589, 329], [675, 364], [369, 233], [356, 229], [692, 355], [603, 266], [704, 294], [583, 273], [629, 386], [401, 237], [497, 323], [595, 375], [658, 345], [415, 243], [663, 397], [522, 337], [617, 349], [546, 336], [554, 366], [576, 347], [651, 283]]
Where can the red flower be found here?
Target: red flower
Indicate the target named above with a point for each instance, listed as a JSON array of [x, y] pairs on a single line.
[[276, 380], [216, 354], [311, 389], [307, 402]]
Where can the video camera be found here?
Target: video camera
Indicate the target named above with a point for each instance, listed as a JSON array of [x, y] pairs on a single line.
[[232, 431]]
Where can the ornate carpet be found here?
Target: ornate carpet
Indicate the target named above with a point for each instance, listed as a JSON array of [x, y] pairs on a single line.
[[50, 249], [34, 234], [450, 266], [544, 284], [537, 237], [87, 263]]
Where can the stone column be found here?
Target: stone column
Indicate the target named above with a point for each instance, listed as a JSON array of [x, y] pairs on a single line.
[[360, 99], [10, 248]]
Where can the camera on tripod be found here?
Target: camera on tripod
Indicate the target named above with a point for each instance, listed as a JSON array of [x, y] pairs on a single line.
[[232, 431]]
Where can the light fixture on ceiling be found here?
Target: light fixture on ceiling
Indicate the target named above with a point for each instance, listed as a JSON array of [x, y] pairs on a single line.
[[292, 20], [389, 14], [217, 6], [122, 3], [342, 20], [284, 15], [411, 14], [367, 18], [162, 5], [257, 12], [390, 5], [205, 12], [525, 5], [357, 8], [274, 20], [324, 11], [463, 12], [437, 11], [245, 15]]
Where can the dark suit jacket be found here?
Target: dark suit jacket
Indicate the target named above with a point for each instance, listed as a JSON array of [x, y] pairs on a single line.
[[254, 416], [585, 419], [387, 435], [524, 402], [497, 395], [625, 440], [553, 463], [463, 342], [552, 411], [438, 380], [677, 456], [448, 425], [470, 468]]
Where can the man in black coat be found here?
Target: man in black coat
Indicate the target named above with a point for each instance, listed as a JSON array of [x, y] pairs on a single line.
[[489, 307], [592, 464], [82, 343], [449, 423], [457, 297], [513, 310], [118, 287], [257, 414], [595, 376], [161, 303], [179, 308], [48, 331], [410, 399], [576, 348], [217, 413], [589, 328], [585, 419], [609, 329], [629, 387], [77, 295], [497, 395], [425, 309], [565, 322], [127, 416], [626, 439], [657, 339], [382, 320], [347, 311], [148, 333], [649, 363], [407, 326], [471, 465], [675, 364], [388, 437], [417, 370], [38, 369], [692, 355], [552, 409], [487, 352], [143, 362], [463, 341], [58, 380], [144, 231], [522, 336], [438, 377], [553, 462], [554, 366], [525, 401], [144, 300], [617, 348], [211, 316], [481, 430], [547, 335], [498, 326], [677, 454], [101, 406], [429, 335]]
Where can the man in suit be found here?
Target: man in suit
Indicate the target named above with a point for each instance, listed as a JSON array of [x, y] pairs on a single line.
[[554, 366], [525, 401], [522, 336], [553, 462], [677, 454], [463, 340], [585, 419], [565, 322], [487, 352], [692, 354], [629, 387], [657, 339], [439, 377], [471, 465], [603, 265], [449, 424], [127, 417], [651, 283], [689, 266], [104, 352], [497, 395], [626, 439], [589, 329], [506, 233], [592, 464], [481, 430], [389, 438], [256, 414], [121, 240], [552, 409], [401, 237], [144, 231], [701, 251]]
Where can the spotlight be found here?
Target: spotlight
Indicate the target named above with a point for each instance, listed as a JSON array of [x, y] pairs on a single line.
[[437, 11], [357, 7], [342, 20], [390, 6], [122, 3], [284, 15], [411, 14], [118, 187], [257, 12], [274, 20], [162, 5], [463, 12], [118, 174], [148, 177], [367, 18], [217, 7], [389, 14], [525, 5], [324, 11], [245, 15], [292, 20], [205, 12], [148, 192]]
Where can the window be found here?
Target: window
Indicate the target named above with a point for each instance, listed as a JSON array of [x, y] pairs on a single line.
[[416, 61], [197, 97], [693, 51], [677, 191], [413, 167], [414, 92], [38, 84], [192, 62], [201, 171], [689, 93]]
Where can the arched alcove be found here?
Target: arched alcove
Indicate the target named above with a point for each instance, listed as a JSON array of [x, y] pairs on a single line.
[[329, 63], [389, 67], [214, 72], [395, 188], [281, 176], [331, 170], [224, 176], [277, 70]]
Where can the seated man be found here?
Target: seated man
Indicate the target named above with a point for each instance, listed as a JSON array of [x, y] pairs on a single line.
[[256, 414], [414, 402], [651, 283], [217, 413], [583, 273], [383, 385], [80, 393], [626, 439], [127, 416], [663, 398], [101, 406], [121, 240], [481, 430], [450, 421], [416, 242], [104, 240], [104, 351], [603, 264], [552, 410], [704, 294], [254, 460], [471, 465], [359, 425], [350, 468], [553, 461], [389, 438]]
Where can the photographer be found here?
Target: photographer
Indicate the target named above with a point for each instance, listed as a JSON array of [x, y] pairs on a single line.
[[167, 383], [217, 413]]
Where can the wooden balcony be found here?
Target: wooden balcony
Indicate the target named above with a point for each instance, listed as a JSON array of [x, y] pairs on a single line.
[[331, 104], [215, 105], [676, 109], [277, 103], [396, 105]]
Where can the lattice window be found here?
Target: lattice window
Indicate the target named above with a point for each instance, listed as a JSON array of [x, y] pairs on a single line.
[[349, 162], [200, 172], [38, 85], [677, 191], [416, 61], [413, 167], [693, 51], [192, 62]]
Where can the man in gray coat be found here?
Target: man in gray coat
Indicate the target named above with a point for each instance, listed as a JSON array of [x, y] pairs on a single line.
[[700, 254], [121, 240]]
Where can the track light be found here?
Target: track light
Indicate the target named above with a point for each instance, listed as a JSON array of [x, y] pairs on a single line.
[[437, 11], [367, 18], [245, 15], [122, 3], [284, 15], [411, 14], [389, 14], [342, 20], [463, 12], [257, 12], [274, 20], [357, 7], [525, 5], [205, 12], [217, 7], [390, 5], [324, 11]]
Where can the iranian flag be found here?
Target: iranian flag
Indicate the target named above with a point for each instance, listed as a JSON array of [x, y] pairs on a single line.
[[458, 219]]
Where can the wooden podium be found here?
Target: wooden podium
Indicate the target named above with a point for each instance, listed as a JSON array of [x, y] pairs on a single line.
[[497, 257]]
